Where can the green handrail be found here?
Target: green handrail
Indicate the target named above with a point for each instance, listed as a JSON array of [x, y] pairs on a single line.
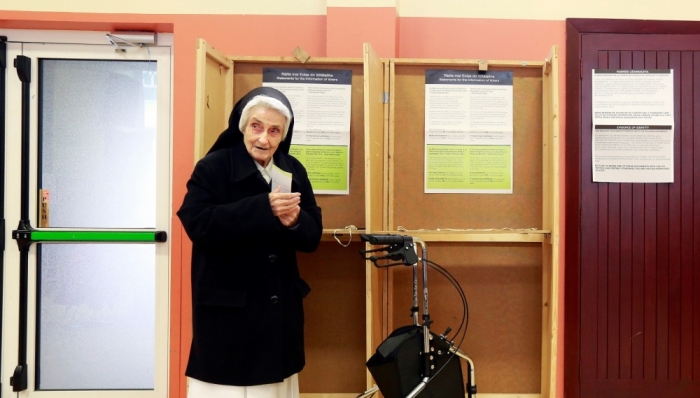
[[97, 236]]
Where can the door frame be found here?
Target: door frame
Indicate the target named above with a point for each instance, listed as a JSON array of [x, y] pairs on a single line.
[[575, 29], [87, 38]]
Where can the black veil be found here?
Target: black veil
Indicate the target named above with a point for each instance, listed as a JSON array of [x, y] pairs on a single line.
[[232, 135]]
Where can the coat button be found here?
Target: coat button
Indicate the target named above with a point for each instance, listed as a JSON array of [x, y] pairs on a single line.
[[272, 258], [274, 299]]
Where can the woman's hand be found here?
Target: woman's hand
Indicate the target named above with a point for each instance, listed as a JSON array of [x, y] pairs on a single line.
[[285, 206], [290, 218]]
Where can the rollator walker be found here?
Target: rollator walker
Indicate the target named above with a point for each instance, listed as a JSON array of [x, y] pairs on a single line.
[[413, 361]]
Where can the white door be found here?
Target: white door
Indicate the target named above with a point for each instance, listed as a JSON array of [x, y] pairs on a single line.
[[86, 277]]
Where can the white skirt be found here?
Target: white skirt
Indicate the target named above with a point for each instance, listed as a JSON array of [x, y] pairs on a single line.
[[288, 388]]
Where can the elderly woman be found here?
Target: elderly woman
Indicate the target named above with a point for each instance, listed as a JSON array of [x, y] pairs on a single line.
[[248, 318]]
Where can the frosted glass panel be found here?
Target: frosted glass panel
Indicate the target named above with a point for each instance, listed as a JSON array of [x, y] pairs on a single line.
[[96, 317], [97, 134]]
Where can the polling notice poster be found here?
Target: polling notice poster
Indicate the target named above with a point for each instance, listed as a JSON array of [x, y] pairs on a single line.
[[633, 125], [468, 131], [321, 101]]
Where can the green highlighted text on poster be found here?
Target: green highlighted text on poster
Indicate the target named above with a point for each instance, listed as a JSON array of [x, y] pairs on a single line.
[[468, 168], [327, 166]]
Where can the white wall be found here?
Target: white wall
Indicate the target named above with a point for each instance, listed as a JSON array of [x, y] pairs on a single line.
[[260, 7], [552, 9]]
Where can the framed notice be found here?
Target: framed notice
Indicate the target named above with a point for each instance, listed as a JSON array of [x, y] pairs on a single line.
[[320, 100], [633, 125], [468, 131]]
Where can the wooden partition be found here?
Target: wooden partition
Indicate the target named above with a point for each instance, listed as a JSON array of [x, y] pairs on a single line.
[[501, 248], [339, 332], [213, 97]]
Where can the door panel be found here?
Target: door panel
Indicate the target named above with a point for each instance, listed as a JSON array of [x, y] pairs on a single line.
[[639, 259], [100, 144], [97, 138], [96, 317]]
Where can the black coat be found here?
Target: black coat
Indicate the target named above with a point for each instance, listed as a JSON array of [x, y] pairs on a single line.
[[248, 319]]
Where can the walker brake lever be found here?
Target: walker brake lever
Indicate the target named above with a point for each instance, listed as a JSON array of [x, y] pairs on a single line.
[[381, 249], [400, 248]]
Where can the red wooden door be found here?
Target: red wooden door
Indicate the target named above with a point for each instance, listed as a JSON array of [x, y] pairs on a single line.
[[635, 248]]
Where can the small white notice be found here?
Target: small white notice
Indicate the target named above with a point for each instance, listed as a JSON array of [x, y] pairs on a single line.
[[633, 125]]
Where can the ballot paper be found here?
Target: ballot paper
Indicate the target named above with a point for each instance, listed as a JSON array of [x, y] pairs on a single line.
[[281, 178]]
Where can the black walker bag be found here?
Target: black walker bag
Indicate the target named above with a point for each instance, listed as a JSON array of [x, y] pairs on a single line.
[[397, 366]]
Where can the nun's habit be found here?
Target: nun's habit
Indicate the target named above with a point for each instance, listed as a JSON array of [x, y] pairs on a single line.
[[248, 319]]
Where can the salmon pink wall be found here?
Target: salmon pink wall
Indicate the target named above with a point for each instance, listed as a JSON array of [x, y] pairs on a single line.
[[504, 39], [339, 33], [349, 27]]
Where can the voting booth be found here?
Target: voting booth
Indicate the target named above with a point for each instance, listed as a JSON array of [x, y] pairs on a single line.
[[502, 248]]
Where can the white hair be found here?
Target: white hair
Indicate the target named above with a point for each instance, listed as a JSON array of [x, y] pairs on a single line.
[[267, 102]]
